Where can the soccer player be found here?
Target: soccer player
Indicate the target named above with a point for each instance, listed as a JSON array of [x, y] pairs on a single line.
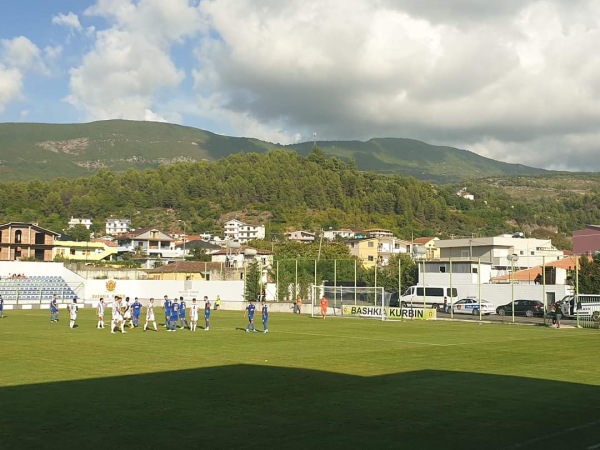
[[117, 317], [206, 313], [150, 315], [126, 308], [250, 310], [265, 316], [54, 309], [324, 306], [73, 313], [136, 312], [174, 315], [101, 308], [167, 305], [193, 315], [1, 307], [182, 311]]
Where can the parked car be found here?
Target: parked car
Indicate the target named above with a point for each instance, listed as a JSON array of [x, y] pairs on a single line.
[[527, 308], [471, 306]]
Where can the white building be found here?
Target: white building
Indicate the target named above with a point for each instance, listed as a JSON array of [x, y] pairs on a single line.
[[117, 226], [300, 236], [344, 234], [242, 232], [76, 221], [530, 252]]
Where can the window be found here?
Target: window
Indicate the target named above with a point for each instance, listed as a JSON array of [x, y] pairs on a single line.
[[371, 244], [442, 269], [18, 236], [474, 270], [370, 258], [521, 252], [464, 254], [451, 292]]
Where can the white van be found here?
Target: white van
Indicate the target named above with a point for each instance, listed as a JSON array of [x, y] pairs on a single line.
[[584, 306], [430, 296]]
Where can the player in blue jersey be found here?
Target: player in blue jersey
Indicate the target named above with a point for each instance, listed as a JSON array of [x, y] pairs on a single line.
[[183, 323], [206, 313], [1, 307], [174, 315], [250, 311], [265, 316], [54, 309], [167, 305], [136, 312]]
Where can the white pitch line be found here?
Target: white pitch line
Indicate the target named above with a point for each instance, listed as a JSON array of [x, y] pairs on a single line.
[[556, 434]]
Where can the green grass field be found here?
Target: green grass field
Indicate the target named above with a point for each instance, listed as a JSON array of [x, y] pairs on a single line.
[[308, 384]]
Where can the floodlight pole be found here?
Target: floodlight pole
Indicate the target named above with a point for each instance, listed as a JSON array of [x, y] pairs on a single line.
[[512, 258], [479, 283]]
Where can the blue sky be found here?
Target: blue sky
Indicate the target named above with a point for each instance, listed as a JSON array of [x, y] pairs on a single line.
[[517, 80]]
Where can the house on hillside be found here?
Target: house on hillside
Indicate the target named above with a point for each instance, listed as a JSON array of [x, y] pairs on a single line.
[[300, 236], [20, 240], [115, 227], [239, 231], [151, 242], [77, 221], [344, 233], [426, 247], [365, 250]]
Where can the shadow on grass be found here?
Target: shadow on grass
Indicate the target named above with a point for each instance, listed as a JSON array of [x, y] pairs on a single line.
[[244, 406]]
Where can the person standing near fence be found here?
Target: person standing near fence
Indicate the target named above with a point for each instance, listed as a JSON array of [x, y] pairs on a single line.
[[54, 309], [557, 314], [218, 303], [1, 307], [299, 305]]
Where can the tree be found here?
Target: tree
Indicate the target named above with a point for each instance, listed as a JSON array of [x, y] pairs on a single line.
[[252, 282], [79, 233]]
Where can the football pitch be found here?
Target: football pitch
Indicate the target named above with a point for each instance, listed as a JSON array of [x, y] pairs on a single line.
[[307, 384]]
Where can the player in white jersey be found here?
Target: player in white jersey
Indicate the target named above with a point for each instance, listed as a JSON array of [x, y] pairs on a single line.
[[194, 315], [126, 308], [150, 315], [100, 310], [117, 317], [73, 313]]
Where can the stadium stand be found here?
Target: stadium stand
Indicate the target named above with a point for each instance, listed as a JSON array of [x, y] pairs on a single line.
[[35, 290]]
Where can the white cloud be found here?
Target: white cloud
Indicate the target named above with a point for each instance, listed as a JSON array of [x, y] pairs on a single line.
[[20, 53], [70, 20], [130, 63], [515, 80], [11, 83]]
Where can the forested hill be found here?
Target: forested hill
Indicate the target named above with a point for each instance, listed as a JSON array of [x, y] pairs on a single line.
[[284, 190], [44, 151]]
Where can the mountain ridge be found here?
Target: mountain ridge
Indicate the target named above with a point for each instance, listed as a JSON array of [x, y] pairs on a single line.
[[45, 151]]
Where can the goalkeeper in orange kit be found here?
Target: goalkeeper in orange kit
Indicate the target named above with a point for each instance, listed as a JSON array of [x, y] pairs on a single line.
[[324, 306]]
